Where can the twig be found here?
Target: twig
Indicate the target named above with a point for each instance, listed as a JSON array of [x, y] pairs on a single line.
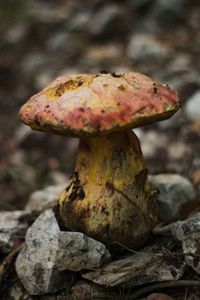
[[162, 285], [131, 250]]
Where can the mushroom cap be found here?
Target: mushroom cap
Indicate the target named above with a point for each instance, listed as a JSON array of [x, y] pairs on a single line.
[[88, 104]]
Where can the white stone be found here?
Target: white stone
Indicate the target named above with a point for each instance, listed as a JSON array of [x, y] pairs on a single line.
[[45, 198], [192, 107], [102, 18], [174, 191], [12, 229], [145, 46], [151, 141], [177, 150], [42, 266]]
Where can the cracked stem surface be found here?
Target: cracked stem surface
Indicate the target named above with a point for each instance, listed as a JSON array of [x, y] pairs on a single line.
[[109, 197]]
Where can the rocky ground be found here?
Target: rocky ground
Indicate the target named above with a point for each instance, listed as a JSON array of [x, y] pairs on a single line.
[[43, 39]]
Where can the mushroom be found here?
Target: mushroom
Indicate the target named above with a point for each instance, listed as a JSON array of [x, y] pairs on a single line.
[[109, 197]]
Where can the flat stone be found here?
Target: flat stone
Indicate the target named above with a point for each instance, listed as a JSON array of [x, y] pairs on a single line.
[[137, 269], [13, 226], [175, 190], [188, 233], [45, 198], [192, 107], [44, 263], [78, 251]]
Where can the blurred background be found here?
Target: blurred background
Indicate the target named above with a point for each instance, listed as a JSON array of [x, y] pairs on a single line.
[[41, 40]]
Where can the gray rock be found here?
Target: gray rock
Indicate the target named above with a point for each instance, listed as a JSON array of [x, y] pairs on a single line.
[[17, 33], [80, 21], [78, 251], [188, 233], [185, 80], [145, 46], [49, 253], [34, 264], [177, 150], [46, 198], [151, 142], [33, 62], [103, 18], [65, 42], [175, 190], [173, 6], [13, 227], [192, 107], [137, 269], [165, 12], [44, 10]]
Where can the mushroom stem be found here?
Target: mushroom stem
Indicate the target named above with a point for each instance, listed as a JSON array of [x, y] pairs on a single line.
[[109, 197]]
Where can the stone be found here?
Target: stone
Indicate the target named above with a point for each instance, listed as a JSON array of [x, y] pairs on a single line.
[[107, 51], [33, 62], [137, 269], [151, 141], [177, 150], [180, 63], [16, 34], [167, 13], [192, 107], [45, 198], [143, 46], [21, 133], [78, 251], [13, 226], [174, 191], [43, 264], [188, 80], [65, 42], [173, 6], [80, 21], [103, 18], [188, 233]]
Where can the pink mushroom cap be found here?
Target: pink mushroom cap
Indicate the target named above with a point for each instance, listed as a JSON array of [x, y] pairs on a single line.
[[89, 104]]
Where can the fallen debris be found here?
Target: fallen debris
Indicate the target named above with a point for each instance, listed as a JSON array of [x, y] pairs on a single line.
[[147, 265]]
